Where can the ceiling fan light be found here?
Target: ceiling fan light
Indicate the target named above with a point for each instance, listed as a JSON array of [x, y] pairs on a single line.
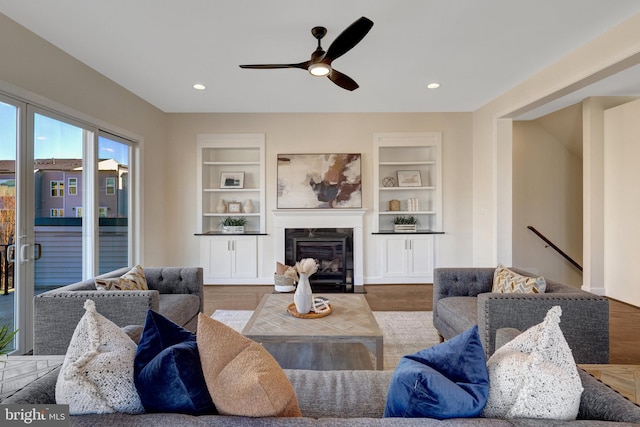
[[320, 69]]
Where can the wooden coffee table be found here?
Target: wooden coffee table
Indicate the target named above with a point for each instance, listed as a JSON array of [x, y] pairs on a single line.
[[345, 339]]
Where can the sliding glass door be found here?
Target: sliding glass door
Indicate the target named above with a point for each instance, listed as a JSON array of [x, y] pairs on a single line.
[[64, 208], [10, 113], [113, 202], [58, 172]]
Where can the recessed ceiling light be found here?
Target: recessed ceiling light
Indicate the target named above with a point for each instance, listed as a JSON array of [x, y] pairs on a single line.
[[433, 85], [199, 86]]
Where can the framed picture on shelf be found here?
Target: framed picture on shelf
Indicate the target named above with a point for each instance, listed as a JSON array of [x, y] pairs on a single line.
[[234, 207], [232, 180], [409, 179]]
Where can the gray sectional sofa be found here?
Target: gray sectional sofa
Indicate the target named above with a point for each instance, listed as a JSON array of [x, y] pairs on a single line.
[[326, 398], [462, 298], [174, 292], [346, 398]]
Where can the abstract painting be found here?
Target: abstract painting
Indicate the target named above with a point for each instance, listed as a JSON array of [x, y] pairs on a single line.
[[319, 181]]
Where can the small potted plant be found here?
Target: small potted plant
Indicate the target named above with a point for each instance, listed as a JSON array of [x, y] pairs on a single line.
[[233, 224], [403, 224]]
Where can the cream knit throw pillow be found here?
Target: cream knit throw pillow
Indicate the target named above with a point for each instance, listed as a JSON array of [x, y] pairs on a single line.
[[535, 375], [97, 374]]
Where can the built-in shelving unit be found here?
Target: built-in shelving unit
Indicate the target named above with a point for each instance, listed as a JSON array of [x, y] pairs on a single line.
[[230, 172], [233, 155], [410, 154], [407, 182]]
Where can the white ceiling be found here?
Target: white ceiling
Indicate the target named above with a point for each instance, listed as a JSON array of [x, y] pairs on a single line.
[[477, 50]]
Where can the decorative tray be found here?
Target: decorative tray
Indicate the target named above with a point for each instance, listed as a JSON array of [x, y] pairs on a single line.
[[311, 315]]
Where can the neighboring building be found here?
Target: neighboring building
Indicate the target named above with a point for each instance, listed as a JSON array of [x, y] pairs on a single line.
[[58, 209], [59, 187]]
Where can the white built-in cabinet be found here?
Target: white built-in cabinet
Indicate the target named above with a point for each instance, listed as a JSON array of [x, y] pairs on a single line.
[[230, 258], [405, 256], [398, 160]]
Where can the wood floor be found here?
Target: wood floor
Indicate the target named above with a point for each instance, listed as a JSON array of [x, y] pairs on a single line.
[[623, 373], [624, 320]]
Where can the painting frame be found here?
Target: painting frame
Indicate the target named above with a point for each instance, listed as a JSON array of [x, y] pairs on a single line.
[[409, 178], [231, 179], [319, 181]]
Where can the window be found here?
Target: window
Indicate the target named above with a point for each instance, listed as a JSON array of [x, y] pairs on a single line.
[[111, 186], [56, 213], [115, 156], [72, 186], [57, 188], [79, 212]]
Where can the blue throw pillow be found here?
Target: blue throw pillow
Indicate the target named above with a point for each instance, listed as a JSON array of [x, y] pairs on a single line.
[[449, 380], [167, 370]]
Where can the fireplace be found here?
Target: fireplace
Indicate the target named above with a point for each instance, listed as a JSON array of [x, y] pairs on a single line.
[[332, 248], [333, 225]]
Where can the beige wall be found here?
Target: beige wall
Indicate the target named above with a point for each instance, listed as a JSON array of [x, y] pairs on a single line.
[[614, 51], [622, 202], [547, 194], [477, 193], [316, 133], [33, 68]]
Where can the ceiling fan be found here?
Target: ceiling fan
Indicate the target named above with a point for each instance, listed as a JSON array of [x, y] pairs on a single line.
[[320, 62]]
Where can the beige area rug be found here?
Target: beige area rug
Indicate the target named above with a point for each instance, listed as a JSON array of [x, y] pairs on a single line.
[[404, 332]]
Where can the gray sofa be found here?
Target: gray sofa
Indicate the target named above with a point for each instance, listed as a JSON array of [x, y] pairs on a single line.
[[345, 398], [462, 298], [174, 292]]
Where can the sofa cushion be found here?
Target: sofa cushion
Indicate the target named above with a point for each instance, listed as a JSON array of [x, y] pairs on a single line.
[[167, 369], [534, 375], [340, 394], [179, 308], [449, 380], [242, 377], [133, 280], [508, 281], [460, 313], [97, 372]]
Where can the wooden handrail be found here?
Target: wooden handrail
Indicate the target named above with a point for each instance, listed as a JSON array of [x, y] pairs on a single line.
[[557, 249]]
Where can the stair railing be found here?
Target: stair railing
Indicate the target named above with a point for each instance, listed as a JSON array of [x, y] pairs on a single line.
[[557, 249]]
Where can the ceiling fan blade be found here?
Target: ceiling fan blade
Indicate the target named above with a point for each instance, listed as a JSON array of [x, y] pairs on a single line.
[[302, 65], [350, 37], [342, 80]]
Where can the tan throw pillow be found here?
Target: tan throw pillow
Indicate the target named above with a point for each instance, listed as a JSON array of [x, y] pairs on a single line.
[[508, 281], [243, 379], [133, 280]]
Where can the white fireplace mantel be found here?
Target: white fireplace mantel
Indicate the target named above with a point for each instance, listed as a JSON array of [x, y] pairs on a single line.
[[323, 218]]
